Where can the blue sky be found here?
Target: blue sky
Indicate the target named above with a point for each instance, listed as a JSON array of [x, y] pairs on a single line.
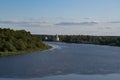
[[89, 17]]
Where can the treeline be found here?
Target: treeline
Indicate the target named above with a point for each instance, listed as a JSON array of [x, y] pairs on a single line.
[[84, 39], [16, 42]]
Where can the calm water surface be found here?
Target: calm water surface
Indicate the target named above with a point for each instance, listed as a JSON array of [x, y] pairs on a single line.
[[64, 62]]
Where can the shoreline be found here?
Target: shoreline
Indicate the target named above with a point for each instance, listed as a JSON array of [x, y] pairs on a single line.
[[85, 43], [2, 54]]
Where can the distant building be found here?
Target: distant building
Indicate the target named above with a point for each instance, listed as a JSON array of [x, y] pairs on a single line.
[[57, 38], [46, 38]]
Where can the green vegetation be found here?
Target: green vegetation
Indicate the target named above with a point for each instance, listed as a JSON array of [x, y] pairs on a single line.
[[18, 42], [84, 39]]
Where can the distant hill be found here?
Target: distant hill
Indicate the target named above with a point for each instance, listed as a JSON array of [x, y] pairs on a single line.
[[14, 42]]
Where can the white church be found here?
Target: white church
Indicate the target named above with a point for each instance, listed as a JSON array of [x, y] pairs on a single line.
[[57, 38]]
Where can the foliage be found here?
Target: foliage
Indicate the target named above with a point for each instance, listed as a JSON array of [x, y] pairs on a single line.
[[85, 39], [13, 42]]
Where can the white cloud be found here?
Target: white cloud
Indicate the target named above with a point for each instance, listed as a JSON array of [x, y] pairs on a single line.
[[88, 18], [77, 23], [114, 22], [34, 23]]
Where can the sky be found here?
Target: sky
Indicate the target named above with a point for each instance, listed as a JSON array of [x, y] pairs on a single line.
[[70, 17]]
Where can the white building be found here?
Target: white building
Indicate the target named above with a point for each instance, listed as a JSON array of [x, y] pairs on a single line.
[[57, 38], [46, 38]]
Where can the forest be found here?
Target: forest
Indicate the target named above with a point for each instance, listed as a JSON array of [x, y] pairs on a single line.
[[14, 42], [84, 39]]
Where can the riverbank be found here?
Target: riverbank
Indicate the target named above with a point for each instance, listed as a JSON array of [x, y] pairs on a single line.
[[14, 42], [83, 39], [24, 51]]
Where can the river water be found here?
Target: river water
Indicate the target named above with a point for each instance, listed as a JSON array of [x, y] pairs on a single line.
[[64, 62]]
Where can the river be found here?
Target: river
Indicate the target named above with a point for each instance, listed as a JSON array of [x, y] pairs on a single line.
[[64, 62]]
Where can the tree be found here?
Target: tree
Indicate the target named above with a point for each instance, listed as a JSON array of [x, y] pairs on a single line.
[[18, 41], [8, 47]]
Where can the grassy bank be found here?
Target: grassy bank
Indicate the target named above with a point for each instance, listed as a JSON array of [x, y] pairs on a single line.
[[24, 51], [14, 42]]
